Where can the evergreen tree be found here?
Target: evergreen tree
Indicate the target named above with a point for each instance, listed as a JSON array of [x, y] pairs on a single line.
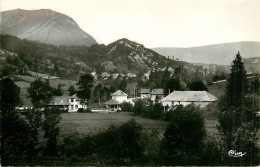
[[85, 84], [237, 86], [72, 90], [238, 122], [122, 85], [166, 77]]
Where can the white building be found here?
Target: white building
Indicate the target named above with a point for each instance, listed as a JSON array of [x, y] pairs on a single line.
[[119, 96], [70, 103], [117, 99], [145, 93], [200, 98]]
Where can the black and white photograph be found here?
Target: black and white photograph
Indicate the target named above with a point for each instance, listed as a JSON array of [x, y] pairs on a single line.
[[130, 82]]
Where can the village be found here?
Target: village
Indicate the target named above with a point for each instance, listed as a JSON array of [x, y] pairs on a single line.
[[129, 83]]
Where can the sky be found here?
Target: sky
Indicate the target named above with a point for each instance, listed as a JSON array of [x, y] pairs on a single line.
[[158, 23]]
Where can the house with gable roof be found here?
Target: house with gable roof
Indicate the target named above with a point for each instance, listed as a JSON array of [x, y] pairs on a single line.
[[199, 98], [69, 103]]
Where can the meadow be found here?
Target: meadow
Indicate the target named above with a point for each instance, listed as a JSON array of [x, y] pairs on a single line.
[[91, 123]]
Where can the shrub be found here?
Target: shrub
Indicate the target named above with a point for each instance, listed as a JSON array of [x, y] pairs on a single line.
[[184, 136], [127, 107], [82, 110], [138, 107]]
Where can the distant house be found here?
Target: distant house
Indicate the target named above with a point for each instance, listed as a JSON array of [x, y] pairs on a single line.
[[200, 98], [145, 93], [94, 74], [157, 93], [105, 75], [146, 76], [131, 75], [115, 75], [117, 99], [70, 103]]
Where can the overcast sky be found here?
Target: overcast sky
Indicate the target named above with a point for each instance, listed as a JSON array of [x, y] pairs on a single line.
[[158, 23]]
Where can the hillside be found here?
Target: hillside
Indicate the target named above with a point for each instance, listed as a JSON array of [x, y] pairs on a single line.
[[221, 54], [72, 61], [44, 25]]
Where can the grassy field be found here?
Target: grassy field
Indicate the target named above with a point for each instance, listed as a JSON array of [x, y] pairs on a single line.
[[91, 123]]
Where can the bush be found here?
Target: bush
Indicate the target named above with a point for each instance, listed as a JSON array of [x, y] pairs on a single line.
[[138, 107], [122, 143], [125, 106], [82, 110], [184, 136]]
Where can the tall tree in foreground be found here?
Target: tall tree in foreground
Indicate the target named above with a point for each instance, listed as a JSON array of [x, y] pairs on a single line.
[[16, 135], [85, 84], [238, 121]]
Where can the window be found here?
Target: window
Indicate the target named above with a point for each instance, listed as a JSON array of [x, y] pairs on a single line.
[[76, 106], [72, 100], [71, 107]]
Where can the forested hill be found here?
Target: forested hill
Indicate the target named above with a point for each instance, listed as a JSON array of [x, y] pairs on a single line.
[[69, 61]]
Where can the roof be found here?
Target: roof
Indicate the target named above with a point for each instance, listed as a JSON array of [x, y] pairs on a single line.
[[157, 92], [112, 102], [119, 93], [60, 100], [189, 96], [145, 91]]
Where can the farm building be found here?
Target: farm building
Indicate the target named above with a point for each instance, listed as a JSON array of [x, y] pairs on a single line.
[[70, 103], [200, 98]]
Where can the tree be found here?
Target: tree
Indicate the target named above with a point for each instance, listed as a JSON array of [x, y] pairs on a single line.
[[237, 86], [85, 84], [72, 90], [58, 91], [40, 93], [255, 86], [166, 77], [198, 86], [238, 122], [51, 131], [171, 85], [122, 85], [17, 137], [184, 136]]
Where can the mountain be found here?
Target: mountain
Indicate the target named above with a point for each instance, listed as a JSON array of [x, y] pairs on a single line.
[[134, 56], [221, 54], [44, 25]]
